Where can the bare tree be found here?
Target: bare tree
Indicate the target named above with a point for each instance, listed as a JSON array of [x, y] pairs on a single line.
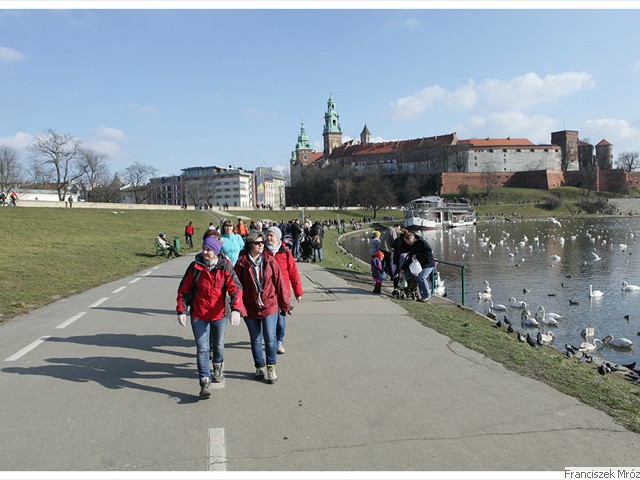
[[489, 177], [459, 155], [375, 192], [58, 154], [629, 161], [94, 167], [10, 168], [136, 177]]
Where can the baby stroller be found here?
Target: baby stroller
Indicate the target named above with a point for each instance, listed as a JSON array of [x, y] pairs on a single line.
[[306, 251], [407, 283]]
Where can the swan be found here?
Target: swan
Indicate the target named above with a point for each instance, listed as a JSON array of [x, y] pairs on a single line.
[[553, 220], [553, 315], [545, 338], [588, 332], [629, 288], [517, 303], [527, 321], [595, 256], [619, 342], [547, 320], [590, 347], [539, 316], [594, 293], [498, 307]]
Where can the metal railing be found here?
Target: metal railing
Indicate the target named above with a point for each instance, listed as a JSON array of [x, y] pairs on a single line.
[[462, 266]]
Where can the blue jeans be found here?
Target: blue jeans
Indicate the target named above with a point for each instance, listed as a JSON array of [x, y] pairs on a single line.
[[204, 333], [280, 327], [295, 250], [257, 328], [317, 254], [423, 282]]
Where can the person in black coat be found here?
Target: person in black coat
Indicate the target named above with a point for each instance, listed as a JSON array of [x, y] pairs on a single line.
[[420, 250]]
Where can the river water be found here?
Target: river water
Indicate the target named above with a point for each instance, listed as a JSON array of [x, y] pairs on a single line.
[[550, 265]]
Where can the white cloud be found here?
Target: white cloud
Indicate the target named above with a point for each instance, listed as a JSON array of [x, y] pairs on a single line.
[[19, 141], [496, 94], [531, 89], [536, 128], [142, 108], [624, 136], [8, 54], [413, 105], [110, 133]]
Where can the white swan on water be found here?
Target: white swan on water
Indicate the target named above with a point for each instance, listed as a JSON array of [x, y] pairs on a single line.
[[517, 303], [498, 307], [590, 347], [528, 321], [629, 288], [594, 293], [487, 291], [619, 342]]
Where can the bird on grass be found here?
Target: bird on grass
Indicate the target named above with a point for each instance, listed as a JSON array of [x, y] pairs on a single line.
[[531, 341], [521, 338]]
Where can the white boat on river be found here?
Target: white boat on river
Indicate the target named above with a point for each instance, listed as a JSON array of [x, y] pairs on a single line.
[[432, 212]]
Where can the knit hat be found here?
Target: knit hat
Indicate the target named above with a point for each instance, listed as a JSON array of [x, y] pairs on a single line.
[[253, 236], [379, 255], [212, 243], [276, 231], [376, 233]]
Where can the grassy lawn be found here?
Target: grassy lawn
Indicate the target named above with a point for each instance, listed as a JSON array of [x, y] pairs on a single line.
[[50, 253]]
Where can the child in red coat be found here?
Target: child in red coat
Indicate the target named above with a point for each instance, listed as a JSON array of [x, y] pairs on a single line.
[[377, 272]]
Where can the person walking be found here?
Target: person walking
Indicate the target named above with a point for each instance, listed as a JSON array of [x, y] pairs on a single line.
[[264, 296], [70, 201], [289, 271], [374, 243], [188, 234], [241, 229], [296, 236], [204, 288], [377, 272], [420, 250], [232, 243], [386, 246], [316, 232]]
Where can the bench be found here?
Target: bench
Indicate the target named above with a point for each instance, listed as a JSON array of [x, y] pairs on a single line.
[[159, 249]]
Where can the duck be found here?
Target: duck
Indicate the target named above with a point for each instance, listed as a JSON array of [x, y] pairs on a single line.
[[629, 288], [595, 293], [556, 258], [517, 303], [528, 321], [619, 342]]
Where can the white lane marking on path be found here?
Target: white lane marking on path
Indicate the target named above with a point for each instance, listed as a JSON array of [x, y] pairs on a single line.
[[145, 274], [71, 320], [217, 450], [118, 290], [135, 280], [95, 304], [26, 349]]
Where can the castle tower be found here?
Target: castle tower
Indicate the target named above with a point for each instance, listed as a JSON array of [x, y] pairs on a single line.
[[604, 155], [303, 147], [568, 142], [332, 133], [365, 135]]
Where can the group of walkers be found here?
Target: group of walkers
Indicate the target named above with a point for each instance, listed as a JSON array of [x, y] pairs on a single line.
[[236, 277], [12, 198], [392, 254]]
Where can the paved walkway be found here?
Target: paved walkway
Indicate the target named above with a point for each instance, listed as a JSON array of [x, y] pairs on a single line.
[[362, 386]]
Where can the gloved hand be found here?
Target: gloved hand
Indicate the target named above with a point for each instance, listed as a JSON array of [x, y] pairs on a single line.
[[235, 318], [182, 319]]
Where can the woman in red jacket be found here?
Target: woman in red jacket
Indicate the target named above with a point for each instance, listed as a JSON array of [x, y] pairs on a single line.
[[290, 273], [204, 288], [264, 296]]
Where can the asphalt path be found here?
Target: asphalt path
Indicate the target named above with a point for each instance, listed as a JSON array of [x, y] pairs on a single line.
[[106, 380]]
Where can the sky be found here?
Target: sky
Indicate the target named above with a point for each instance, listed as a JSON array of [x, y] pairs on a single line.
[[177, 88]]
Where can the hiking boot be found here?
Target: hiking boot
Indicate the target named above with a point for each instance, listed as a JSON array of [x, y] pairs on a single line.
[[280, 348], [205, 388], [271, 376], [218, 376], [259, 373]]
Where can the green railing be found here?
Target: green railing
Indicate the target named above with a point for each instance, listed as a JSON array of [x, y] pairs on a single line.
[[462, 266]]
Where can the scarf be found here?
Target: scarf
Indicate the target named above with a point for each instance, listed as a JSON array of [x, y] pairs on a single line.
[[258, 268]]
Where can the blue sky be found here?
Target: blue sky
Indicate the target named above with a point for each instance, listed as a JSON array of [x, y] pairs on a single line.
[[182, 88]]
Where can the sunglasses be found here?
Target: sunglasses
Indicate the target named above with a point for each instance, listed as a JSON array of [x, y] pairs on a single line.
[[259, 242]]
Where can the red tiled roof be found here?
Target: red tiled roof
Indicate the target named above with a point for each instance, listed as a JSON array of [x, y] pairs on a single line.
[[349, 149], [602, 142]]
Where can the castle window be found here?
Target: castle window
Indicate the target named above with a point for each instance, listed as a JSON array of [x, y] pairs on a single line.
[[305, 156], [531, 150], [491, 150], [505, 160], [546, 150], [504, 150], [476, 164], [518, 150]]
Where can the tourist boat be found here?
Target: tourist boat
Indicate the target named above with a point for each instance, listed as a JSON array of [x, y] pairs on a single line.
[[431, 213]]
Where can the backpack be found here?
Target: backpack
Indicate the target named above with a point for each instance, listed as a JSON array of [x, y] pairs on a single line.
[[315, 241], [189, 299]]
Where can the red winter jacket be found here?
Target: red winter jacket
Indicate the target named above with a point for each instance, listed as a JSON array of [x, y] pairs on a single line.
[[275, 296], [212, 288], [288, 269]]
